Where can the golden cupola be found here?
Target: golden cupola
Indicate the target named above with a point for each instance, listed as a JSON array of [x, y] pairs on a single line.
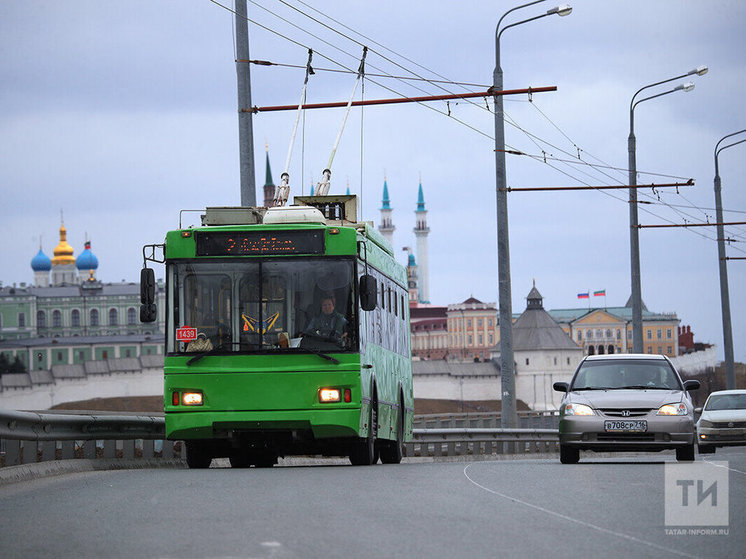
[[63, 252]]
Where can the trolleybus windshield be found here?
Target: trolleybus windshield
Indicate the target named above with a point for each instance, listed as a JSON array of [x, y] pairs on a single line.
[[262, 305]]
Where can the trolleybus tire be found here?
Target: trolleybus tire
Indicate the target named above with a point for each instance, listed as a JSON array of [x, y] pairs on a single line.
[[392, 451], [265, 460], [239, 459], [197, 455], [365, 451]]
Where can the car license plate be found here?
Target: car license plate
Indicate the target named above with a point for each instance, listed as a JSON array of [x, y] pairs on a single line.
[[626, 425]]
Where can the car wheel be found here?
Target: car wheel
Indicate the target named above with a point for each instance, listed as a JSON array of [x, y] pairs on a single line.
[[569, 455], [706, 449], [685, 453]]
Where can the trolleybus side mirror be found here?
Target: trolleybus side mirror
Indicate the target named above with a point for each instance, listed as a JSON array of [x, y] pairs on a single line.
[[148, 311], [368, 292]]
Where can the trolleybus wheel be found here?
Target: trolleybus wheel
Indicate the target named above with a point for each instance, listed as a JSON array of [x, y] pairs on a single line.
[[197, 455], [365, 451], [239, 458], [391, 451], [265, 460]]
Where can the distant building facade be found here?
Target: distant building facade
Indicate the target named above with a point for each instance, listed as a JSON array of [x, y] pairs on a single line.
[[609, 330], [69, 317]]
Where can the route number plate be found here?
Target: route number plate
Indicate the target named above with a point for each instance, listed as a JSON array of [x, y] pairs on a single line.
[[186, 334]]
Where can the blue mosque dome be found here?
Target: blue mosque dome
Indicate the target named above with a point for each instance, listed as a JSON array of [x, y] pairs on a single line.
[[41, 262], [87, 260]]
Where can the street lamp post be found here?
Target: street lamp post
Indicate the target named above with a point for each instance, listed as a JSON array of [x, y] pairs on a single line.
[[634, 239], [730, 377], [509, 417]]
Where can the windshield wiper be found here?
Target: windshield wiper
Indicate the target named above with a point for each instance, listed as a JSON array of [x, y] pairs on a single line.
[[644, 387], [321, 354], [210, 351], [594, 388]]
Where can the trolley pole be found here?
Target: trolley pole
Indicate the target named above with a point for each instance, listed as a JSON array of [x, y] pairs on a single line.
[[245, 126]]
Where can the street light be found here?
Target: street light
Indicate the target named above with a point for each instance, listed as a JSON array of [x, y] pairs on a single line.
[[730, 377], [634, 238], [509, 418]]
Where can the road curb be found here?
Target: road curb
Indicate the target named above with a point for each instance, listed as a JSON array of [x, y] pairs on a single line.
[[37, 470]]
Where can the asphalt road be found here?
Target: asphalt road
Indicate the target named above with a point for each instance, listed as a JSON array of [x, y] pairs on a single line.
[[615, 507]]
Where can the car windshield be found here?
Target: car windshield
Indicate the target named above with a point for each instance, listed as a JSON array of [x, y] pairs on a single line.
[[269, 305], [726, 402], [618, 374]]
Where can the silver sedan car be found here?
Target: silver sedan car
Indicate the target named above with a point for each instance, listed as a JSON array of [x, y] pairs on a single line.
[[626, 402], [723, 421]]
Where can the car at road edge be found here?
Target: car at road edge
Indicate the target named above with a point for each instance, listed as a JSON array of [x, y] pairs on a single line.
[[626, 403], [723, 421]]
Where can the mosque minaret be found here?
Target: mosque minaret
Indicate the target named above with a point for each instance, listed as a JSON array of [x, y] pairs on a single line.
[[421, 231], [387, 225]]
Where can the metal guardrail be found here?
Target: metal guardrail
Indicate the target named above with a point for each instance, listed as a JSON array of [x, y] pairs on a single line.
[[35, 426], [27, 437], [481, 441], [548, 419]]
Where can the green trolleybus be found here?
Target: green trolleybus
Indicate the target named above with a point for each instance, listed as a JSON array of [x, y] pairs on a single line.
[[287, 333]]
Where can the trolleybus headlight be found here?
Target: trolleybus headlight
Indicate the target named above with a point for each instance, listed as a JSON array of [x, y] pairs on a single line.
[[327, 395], [192, 398]]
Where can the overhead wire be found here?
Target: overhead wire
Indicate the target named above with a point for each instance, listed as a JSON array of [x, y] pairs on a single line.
[[445, 80]]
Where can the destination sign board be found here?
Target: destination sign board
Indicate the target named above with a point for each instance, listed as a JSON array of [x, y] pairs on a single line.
[[257, 243]]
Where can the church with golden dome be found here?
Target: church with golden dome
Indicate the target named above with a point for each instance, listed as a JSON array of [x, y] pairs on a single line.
[[63, 268], [68, 317]]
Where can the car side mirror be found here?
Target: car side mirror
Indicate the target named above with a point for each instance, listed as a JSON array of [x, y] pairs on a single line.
[[690, 385], [368, 292], [561, 386]]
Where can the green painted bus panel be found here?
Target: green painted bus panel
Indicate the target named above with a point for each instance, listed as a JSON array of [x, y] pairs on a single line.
[[262, 385], [323, 423], [393, 387], [261, 390]]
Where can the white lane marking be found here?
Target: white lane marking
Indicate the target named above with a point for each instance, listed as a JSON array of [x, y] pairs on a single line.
[[726, 467], [576, 520]]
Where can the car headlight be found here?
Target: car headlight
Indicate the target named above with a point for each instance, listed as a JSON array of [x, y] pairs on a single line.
[[706, 424], [578, 409], [673, 409]]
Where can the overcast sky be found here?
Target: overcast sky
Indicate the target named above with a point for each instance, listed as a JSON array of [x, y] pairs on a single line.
[[120, 114]]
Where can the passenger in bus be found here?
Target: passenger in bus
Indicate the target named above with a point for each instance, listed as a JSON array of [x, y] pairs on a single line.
[[328, 324]]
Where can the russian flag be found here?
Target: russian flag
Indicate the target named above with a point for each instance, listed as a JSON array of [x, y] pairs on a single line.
[[601, 293], [583, 295]]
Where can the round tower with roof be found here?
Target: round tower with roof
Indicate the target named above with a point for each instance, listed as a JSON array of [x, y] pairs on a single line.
[[421, 231], [387, 225]]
